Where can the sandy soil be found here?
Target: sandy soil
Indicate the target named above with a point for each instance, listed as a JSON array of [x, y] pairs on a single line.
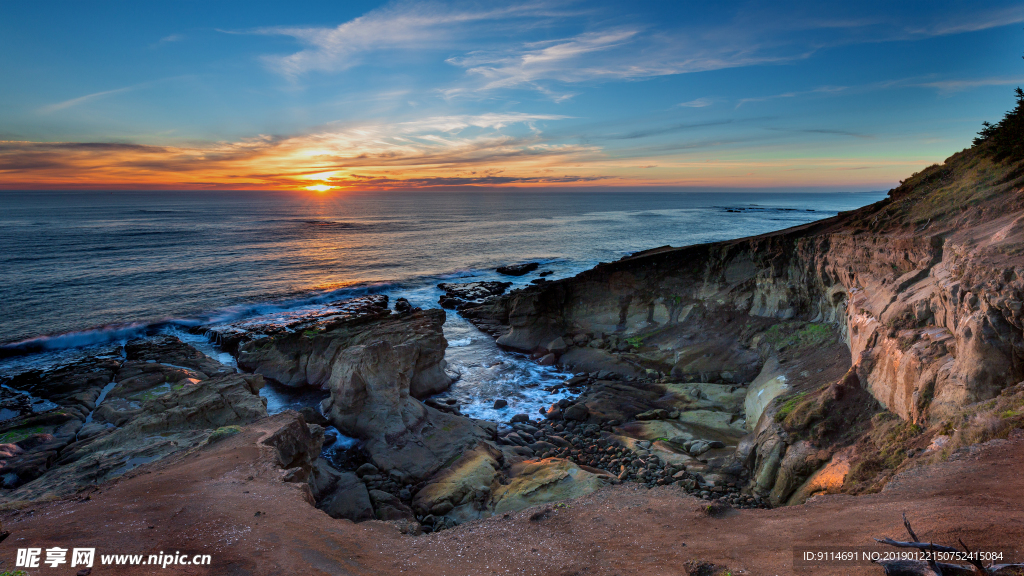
[[227, 500]]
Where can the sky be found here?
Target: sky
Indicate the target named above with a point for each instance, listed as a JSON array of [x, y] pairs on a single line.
[[336, 96]]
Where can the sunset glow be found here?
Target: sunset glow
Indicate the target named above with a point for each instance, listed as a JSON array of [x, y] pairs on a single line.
[[534, 95]]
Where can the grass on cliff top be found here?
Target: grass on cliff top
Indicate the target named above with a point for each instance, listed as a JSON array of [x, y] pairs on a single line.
[[983, 180], [968, 182]]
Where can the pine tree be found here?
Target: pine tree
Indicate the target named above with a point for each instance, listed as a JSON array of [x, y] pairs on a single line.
[[1005, 139]]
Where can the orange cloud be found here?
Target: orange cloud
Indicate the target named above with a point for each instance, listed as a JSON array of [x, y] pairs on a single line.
[[443, 151]]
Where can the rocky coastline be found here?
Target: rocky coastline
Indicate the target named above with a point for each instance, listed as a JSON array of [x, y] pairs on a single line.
[[762, 372]]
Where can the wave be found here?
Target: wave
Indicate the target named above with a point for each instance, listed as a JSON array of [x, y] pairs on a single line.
[[102, 335], [419, 289]]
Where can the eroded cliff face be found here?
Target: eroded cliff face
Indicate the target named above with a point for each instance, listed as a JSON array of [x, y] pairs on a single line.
[[931, 314], [924, 289]]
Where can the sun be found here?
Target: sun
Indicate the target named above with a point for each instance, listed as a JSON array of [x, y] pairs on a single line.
[[320, 187]]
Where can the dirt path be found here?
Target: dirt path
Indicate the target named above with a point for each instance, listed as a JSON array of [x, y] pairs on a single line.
[[228, 501]]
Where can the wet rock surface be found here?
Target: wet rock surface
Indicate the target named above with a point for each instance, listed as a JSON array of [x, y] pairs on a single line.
[[231, 336], [316, 356], [518, 269], [460, 296], [111, 414]]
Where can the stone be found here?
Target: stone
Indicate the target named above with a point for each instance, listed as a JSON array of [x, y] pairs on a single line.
[[656, 414], [557, 346], [461, 296], [518, 269], [312, 416], [551, 480], [318, 359], [500, 403], [350, 500], [577, 412], [367, 469], [389, 507], [370, 400], [547, 360], [402, 306], [520, 418], [234, 336], [467, 483]]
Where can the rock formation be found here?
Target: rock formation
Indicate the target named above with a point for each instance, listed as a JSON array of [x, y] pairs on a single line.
[[164, 398], [313, 356], [921, 294]]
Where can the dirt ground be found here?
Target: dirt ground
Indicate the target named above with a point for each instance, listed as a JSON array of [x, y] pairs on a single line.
[[227, 500]]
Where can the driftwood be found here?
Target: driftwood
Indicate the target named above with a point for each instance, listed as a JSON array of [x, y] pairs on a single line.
[[933, 568]]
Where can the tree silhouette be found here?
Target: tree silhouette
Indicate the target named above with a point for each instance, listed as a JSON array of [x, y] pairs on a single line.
[[1004, 140]]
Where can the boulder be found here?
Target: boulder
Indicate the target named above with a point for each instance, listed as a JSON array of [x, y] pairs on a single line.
[[656, 414], [466, 485], [370, 400], [549, 480], [518, 269], [460, 296], [312, 358], [387, 506], [578, 412], [558, 346], [350, 499]]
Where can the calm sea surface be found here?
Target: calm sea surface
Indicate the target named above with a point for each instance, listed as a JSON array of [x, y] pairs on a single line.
[[86, 269]]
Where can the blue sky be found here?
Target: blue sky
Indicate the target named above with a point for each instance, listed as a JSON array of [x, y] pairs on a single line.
[[564, 94]]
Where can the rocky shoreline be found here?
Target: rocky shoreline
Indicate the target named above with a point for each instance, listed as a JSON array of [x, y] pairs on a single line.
[[757, 373]]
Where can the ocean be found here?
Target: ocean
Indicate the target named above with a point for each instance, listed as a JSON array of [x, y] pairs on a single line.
[[88, 270]]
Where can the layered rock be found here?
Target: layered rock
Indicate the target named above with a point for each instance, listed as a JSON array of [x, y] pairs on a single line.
[[480, 484], [311, 357], [371, 399], [230, 336], [112, 416], [922, 291]]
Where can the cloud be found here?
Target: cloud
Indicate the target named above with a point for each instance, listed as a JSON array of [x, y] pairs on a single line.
[[794, 94], [961, 85], [407, 26], [623, 53], [438, 150], [100, 95], [973, 20], [667, 130], [170, 38], [698, 103], [83, 99]]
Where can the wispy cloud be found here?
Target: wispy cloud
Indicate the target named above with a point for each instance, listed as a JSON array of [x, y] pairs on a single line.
[[624, 53], [973, 20], [794, 94], [961, 85], [83, 99], [404, 25], [698, 103], [170, 38]]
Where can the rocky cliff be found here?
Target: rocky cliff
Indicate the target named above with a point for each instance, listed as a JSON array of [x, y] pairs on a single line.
[[922, 293]]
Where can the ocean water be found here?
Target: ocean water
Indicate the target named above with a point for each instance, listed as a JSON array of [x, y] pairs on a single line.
[[86, 270]]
